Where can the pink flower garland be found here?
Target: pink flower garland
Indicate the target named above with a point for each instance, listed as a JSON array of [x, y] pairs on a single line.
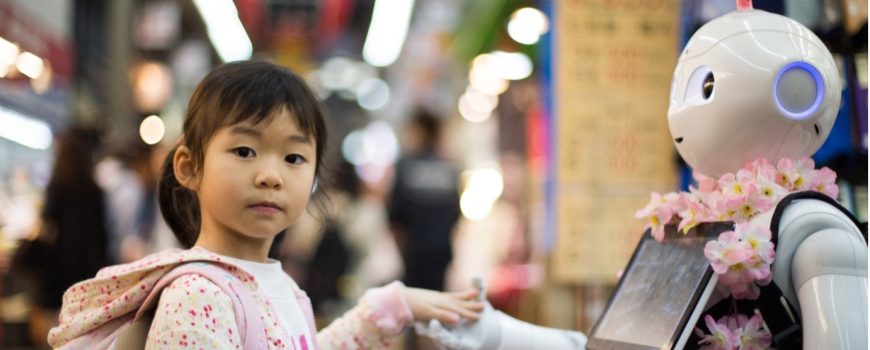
[[741, 258], [736, 197], [734, 332]]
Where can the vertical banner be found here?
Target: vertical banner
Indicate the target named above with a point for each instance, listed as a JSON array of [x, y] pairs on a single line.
[[614, 60]]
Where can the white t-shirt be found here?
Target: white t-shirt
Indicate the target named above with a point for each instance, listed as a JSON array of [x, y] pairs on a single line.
[[276, 285]]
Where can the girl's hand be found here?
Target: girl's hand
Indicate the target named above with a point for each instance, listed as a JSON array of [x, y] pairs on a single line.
[[448, 308]]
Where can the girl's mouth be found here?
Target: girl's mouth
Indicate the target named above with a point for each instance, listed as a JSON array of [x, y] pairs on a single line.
[[265, 207]]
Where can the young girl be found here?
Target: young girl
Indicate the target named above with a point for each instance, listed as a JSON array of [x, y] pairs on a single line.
[[247, 165]]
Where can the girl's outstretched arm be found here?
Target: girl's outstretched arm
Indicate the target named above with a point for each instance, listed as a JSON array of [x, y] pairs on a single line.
[[448, 308], [382, 314]]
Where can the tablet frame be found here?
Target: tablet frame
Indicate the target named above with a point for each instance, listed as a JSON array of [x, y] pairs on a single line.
[[709, 231]]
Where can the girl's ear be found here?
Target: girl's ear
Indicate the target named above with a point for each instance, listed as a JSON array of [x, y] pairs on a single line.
[[185, 170]]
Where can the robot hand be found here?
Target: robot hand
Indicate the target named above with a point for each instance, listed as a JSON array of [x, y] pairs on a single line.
[[484, 333], [498, 331]]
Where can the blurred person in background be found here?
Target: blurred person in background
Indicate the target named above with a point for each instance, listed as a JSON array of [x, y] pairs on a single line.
[[355, 251], [375, 259], [126, 192], [424, 204], [329, 264], [72, 226], [136, 227]]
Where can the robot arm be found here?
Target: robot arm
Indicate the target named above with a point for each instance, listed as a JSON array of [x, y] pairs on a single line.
[[821, 265], [516, 334], [829, 272], [498, 331]]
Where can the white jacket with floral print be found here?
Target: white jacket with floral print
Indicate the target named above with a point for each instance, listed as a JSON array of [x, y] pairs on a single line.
[[95, 311]]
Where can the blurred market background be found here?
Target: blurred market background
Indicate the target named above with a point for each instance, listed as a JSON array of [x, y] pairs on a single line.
[[552, 114]]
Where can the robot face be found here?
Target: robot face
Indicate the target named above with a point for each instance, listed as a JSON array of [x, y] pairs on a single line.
[[751, 84]]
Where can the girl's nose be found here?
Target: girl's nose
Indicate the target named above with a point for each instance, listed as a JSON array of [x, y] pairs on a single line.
[[269, 177]]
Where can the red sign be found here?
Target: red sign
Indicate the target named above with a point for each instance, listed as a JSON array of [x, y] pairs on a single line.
[[20, 26]]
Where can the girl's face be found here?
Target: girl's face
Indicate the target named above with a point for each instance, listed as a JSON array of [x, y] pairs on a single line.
[[256, 178]]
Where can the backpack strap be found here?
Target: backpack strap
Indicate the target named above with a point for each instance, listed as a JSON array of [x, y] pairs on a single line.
[[250, 325], [781, 317], [785, 201]]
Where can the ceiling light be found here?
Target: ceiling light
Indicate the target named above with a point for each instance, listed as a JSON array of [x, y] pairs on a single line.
[[387, 31]]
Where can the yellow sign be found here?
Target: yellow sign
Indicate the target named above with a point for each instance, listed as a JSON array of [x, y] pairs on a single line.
[[614, 60]]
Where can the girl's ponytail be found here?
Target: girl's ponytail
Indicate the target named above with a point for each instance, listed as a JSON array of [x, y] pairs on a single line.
[[179, 205]]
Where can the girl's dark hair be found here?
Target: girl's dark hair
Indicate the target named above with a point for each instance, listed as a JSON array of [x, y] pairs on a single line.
[[251, 91]]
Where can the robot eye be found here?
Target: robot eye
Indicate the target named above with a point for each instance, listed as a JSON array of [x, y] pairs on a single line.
[[700, 87], [708, 86], [798, 90]]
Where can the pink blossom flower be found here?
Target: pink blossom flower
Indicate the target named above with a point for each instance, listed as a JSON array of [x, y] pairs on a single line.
[[806, 174], [738, 263], [651, 207], [733, 185], [659, 212], [744, 291], [674, 201], [796, 175], [657, 216], [741, 204], [752, 271], [701, 197], [746, 176], [742, 258], [721, 337], [826, 182], [739, 282], [724, 207], [734, 332], [726, 252], [705, 183], [750, 333], [762, 167], [694, 212], [767, 187], [758, 237], [752, 203], [764, 281]]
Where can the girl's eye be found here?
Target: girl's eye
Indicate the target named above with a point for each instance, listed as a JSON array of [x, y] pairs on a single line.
[[244, 152], [294, 159]]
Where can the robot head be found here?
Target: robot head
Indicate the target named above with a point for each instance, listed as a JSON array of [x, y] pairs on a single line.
[[752, 84]]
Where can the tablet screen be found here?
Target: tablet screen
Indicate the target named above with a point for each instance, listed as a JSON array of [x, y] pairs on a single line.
[[658, 291]]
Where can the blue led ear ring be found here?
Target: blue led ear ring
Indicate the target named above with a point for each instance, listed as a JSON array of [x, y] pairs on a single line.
[[314, 185], [798, 90]]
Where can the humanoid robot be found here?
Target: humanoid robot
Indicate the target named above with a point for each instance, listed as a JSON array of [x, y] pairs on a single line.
[[749, 84]]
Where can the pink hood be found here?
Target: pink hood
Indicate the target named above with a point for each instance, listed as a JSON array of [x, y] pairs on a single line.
[[100, 306]]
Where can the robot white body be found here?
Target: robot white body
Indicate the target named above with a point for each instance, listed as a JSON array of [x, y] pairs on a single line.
[[821, 265], [774, 93], [749, 84]]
